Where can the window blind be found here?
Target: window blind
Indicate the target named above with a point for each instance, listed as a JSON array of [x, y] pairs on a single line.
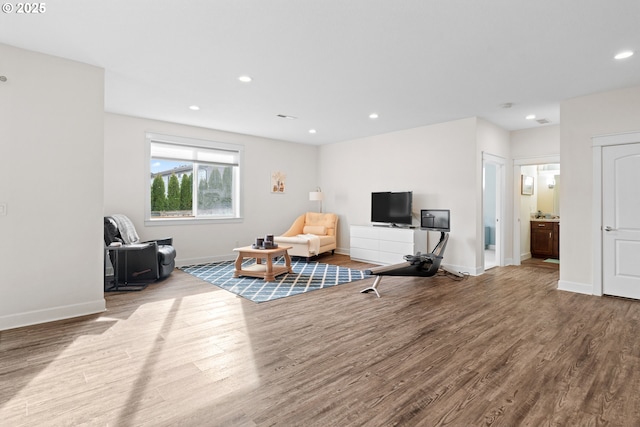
[[215, 156]]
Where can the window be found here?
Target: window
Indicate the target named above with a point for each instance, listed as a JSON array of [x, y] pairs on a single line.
[[192, 179]]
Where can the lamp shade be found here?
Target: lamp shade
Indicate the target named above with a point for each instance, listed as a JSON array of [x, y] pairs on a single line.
[[316, 195]]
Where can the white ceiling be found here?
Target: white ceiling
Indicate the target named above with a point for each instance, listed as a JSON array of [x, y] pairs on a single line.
[[331, 63]]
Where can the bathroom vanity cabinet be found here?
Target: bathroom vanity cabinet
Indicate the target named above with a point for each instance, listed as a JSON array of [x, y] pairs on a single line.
[[545, 239]]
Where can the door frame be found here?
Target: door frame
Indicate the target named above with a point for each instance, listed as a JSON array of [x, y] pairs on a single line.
[[597, 144], [500, 163], [517, 171]]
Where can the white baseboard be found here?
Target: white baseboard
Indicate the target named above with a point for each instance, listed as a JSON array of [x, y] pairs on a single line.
[[461, 269], [51, 314], [581, 288]]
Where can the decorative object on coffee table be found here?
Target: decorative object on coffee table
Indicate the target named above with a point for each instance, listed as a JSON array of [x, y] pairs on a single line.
[[265, 242]]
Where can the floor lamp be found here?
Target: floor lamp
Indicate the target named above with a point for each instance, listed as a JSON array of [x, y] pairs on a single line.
[[317, 195]]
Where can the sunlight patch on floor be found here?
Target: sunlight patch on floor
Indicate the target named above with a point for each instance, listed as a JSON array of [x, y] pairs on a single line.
[[189, 349]]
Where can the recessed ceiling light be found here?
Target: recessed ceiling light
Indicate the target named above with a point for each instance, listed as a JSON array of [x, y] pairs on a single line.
[[623, 55], [194, 107], [373, 116], [312, 131], [245, 79], [530, 117]]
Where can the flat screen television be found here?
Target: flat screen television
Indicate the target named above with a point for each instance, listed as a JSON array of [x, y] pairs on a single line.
[[393, 208], [435, 219]]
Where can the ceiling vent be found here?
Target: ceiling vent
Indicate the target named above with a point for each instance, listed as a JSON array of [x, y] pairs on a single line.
[[543, 121], [284, 116]]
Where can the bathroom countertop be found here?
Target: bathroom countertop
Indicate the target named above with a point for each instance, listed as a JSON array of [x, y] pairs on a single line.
[[545, 219]]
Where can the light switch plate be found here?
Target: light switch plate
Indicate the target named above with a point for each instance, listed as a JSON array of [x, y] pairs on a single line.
[[3, 208]]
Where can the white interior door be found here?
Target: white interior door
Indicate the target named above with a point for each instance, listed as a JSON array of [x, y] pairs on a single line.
[[493, 196], [621, 220]]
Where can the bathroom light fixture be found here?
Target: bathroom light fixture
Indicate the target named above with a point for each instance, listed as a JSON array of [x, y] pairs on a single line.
[[623, 55], [312, 131], [194, 107], [373, 115], [530, 117], [245, 79]]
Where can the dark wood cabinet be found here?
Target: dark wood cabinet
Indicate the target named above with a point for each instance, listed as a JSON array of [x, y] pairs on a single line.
[[545, 239], [556, 241]]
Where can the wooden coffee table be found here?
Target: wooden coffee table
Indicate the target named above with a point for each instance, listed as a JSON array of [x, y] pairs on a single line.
[[267, 271]]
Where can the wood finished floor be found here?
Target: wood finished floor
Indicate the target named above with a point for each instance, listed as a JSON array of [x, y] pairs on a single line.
[[505, 348]]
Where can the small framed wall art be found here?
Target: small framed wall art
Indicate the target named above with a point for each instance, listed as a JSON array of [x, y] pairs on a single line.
[[278, 182]]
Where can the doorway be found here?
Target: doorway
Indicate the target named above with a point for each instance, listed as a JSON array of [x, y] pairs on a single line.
[[543, 200], [493, 185]]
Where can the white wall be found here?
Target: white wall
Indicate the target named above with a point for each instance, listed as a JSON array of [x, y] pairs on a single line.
[[535, 142], [438, 163], [51, 173], [582, 118], [264, 212]]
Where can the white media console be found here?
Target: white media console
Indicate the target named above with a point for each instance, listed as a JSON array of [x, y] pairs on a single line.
[[385, 245]]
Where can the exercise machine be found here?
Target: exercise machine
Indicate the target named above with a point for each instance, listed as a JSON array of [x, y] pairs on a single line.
[[421, 265]]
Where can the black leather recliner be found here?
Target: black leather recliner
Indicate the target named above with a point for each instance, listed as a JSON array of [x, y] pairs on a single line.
[[152, 260]]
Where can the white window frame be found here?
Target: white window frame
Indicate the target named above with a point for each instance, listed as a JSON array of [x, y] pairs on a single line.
[[194, 143]]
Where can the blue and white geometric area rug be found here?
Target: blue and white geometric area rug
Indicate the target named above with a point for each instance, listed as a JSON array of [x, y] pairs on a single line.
[[306, 277]]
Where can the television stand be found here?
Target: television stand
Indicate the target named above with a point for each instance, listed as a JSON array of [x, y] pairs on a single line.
[[382, 244]]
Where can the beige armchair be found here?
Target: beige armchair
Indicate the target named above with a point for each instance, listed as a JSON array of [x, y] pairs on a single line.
[[311, 234]]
